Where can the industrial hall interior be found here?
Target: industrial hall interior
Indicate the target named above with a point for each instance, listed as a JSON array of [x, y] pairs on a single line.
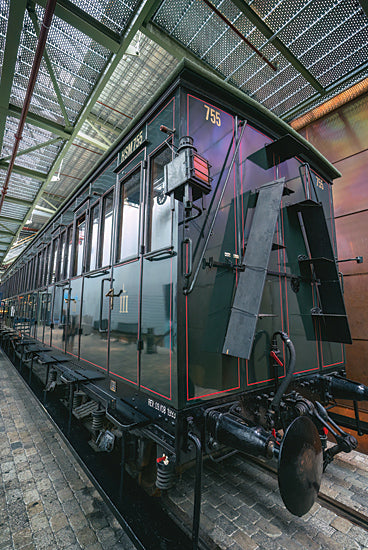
[[183, 274]]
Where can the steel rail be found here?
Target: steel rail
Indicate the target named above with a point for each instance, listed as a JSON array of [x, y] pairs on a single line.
[[339, 508]]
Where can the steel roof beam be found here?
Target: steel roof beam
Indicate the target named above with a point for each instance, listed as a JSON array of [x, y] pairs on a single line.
[[39, 121], [33, 148], [32, 14], [6, 229], [15, 24], [43, 209], [16, 200], [98, 132], [106, 125], [85, 23], [173, 47], [92, 141], [142, 14], [23, 171], [10, 220], [277, 43]]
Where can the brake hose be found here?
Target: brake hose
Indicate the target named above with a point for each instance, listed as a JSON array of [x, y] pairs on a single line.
[[291, 368]]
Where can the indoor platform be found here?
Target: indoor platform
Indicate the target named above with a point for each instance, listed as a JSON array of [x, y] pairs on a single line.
[[46, 500], [242, 507]]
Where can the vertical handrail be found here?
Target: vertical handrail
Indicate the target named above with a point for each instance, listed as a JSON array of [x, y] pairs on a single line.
[[197, 490], [237, 144]]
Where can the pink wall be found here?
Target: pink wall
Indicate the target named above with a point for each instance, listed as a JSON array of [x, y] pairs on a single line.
[[342, 136]]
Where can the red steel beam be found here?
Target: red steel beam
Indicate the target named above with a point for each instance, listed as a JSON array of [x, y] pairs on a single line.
[[46, 23], [233, 28]]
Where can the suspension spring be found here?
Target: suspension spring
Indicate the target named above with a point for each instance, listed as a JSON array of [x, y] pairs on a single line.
[[97, 420], [52, 376], [77, 399], [165, 473]]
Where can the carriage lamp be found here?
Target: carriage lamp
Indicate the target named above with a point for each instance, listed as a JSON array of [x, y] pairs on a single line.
[[187, 176]]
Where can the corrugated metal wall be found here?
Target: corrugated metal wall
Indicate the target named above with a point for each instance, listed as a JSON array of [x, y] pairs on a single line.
[[342, 136]]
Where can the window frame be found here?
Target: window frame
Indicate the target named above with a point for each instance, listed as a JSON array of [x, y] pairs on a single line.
[[101, 228], [84, 215], [92, 207], [138, 167], [148, 198]]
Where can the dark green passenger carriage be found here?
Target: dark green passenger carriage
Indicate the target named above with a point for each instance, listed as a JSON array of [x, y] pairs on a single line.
[[195, 268]]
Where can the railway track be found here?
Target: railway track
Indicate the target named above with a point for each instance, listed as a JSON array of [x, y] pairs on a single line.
[[148, 526], [332, 504]]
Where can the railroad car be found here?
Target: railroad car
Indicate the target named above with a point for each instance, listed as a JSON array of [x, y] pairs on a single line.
[[190, 288]]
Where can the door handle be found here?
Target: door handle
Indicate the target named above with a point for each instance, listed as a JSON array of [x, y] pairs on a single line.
[[110, 294], [161, 254], [100, 329]]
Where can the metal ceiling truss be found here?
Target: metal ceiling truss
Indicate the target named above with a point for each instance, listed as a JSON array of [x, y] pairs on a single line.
[[98, 32], [15, 24], [276, 42], [33, 16], [74, 16], [143, 19], [39, 121]]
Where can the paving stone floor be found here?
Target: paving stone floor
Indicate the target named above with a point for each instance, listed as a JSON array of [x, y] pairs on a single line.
[[242, 507], [46, 500]]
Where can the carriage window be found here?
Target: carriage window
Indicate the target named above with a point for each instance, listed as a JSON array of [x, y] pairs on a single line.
[[47, 265], [80, 245], [62, 256], [129, 216], [53, 263], [69, 250], [106, 228], [93, 237], [39, 270], [160, 211]]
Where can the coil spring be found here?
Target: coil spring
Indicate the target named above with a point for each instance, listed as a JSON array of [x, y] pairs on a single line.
[[97, 419], [165, 475], [77, 399], [52, 376]]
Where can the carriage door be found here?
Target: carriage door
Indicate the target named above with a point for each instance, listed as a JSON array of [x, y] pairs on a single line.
[[126, 276], [41, 314], [59, 316], [72, 318], [95, 303], [158, 335]]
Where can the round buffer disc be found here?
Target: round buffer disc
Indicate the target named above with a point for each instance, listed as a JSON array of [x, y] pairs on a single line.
[[300, 466]]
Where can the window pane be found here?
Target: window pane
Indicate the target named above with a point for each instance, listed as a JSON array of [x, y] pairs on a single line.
[[69, 250], [160, 210], [47, 265], [80, 244], [55, 245], [129, 222], [39, 270], [107, 228], [93, 235], [62, 256]]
